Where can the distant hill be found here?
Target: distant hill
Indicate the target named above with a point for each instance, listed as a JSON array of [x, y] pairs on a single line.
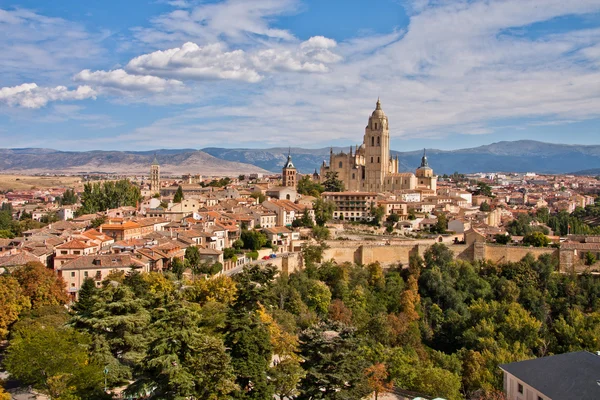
[[516, 156], [176, 162], [589, 172]]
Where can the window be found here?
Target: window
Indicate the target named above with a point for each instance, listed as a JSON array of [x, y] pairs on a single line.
[[375, 125], [340, 164], [85, 274], [353, 176], [378, 141], [373, 141], [371, 160], [540, 398], [520, 388], [73, 274], [378, 160]]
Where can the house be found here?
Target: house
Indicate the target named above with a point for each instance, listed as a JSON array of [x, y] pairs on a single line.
[[561, 377], [352, 206], [97, 267], [71, 250], [122, 230]]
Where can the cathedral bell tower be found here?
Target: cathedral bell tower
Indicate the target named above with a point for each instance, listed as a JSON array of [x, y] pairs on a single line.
[[155, 176], [377, 149]]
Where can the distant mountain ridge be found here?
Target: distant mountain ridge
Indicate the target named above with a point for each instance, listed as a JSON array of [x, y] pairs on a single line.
[[173, 162], [516, 156], [506, 156]]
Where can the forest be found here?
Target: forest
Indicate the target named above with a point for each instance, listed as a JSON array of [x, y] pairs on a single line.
[[437, 326]]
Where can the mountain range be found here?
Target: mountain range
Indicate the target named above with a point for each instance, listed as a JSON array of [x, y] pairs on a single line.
[[516, 156]]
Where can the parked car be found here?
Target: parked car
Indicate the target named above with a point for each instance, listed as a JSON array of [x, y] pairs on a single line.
[[273, 255], [266, 258]]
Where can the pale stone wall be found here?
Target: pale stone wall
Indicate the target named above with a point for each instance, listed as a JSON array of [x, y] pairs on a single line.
[[500, 254]]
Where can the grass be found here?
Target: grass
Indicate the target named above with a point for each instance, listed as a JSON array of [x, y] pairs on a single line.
[[28, 182]]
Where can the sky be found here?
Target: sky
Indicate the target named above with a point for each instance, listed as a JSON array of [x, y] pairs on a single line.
[[149, 74]]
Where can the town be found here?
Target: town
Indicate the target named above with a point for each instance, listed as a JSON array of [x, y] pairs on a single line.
[[357, 208]]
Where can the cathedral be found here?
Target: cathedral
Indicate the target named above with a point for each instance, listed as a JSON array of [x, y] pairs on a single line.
[[370, 168]]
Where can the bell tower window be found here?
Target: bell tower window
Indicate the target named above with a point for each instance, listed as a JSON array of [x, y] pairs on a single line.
[[373, 141], [375, 125], [378, 141], [340, 164]]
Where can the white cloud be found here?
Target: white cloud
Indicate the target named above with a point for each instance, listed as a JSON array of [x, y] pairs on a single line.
[[235, 21], [30, 95], [214, 61], [194, 62], [119, 79]]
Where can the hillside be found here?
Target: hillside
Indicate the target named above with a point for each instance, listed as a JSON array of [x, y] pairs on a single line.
[[176, 162]]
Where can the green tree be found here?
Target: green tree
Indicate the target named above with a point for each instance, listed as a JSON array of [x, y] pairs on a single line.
[[306, 186], [590, 258], [321, 233], [332, 183], [184, 361], [485, 207], [502, 238], [536, 239], [483, 189], [192, 257], [323, 211], [377, 213], [253, 240], [178, 195], [106, 195], [441, 224], [86, 298], [54, 361], [334, 363]]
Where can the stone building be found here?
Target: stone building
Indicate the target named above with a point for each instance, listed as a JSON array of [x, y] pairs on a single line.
[[155, 176], [289, 172], [370, 166]]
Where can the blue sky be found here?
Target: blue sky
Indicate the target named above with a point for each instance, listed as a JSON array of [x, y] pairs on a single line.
[[140, 75]]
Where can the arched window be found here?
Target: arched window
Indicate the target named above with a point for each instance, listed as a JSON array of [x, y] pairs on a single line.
[[371, 160], [340, 164], [377, 140], [372, 141], [375, 125]]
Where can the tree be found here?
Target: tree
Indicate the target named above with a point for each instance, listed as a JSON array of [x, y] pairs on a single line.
[[536, 239], [55, 361], [41, 285], [323, 211], [441, 224], [184, 361], [502, 238], [590, 258], [332, 183], [485, 207], [393, 218], [192, 257], [306, 186], [320, 233], [68, 198], [253, 240], [333, 362], [259, 196], [377, 213], [178, 195], [483, 189], [106, 195], [13, 302], [543, 215], [86, 298], [378, 379]]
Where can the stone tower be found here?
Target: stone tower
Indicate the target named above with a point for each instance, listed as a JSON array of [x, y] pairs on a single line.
[[377, 149], [155, 176], [288, 172], [424, 173]]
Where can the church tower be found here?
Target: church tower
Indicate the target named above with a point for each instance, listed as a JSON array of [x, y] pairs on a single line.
[[155, 176], [288, 172], [424, 173], [377, 150]]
